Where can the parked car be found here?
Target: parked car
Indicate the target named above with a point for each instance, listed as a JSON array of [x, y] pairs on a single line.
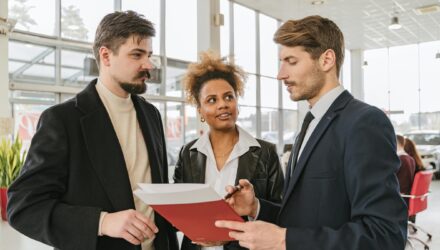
[[428, 145]]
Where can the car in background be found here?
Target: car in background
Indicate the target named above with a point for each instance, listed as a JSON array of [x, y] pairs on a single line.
[[428, 145]]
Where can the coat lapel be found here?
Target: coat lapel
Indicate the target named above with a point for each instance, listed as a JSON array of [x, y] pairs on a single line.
[[319, 131], [247, 163], [104, 150], [198, 166], [152, 137]]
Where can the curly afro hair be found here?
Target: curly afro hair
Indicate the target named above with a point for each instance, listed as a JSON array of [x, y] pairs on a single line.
[[211, 67]]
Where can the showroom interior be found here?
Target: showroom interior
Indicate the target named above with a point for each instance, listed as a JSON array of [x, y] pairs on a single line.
[[392, 61]]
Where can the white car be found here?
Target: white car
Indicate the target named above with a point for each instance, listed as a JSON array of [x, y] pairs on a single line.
[[428, 145]]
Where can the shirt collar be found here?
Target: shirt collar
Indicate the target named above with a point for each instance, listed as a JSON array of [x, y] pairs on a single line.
[[120, 102], [245, 141], [324, 103]]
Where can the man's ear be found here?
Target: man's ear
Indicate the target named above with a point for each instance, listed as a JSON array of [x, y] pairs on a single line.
[[104, 54], [327, 60]]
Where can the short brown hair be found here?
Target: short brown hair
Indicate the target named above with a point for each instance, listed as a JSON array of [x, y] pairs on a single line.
[[316, 34], [116, 27], [211, 67]]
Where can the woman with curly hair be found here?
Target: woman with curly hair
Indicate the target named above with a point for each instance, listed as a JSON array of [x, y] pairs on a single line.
[[226, 153]]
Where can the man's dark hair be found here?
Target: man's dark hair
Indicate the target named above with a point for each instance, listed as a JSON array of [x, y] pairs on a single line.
[[115, 28]]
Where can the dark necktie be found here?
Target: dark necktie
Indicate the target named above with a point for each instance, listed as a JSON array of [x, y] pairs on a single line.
[[299, 140]]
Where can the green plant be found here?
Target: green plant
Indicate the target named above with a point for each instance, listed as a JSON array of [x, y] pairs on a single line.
[[11, 161]]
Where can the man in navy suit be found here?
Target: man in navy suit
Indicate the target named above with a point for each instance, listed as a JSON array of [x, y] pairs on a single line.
[[76, 187], [341, 189]]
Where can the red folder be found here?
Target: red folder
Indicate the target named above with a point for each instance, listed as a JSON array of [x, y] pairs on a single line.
[[191, 208]]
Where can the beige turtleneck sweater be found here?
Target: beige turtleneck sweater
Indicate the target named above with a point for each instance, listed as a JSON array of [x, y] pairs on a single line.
[[123, 117]]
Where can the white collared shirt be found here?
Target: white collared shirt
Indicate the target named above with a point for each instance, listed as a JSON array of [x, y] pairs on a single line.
[[227, 175], [318, 111]]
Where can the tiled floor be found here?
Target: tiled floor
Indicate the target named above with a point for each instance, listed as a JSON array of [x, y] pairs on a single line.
[[429, 220]]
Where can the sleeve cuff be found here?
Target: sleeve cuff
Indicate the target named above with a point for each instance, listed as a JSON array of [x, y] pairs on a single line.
[[250, 218], [101, 219]]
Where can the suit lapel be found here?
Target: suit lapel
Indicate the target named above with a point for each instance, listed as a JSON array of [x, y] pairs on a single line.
[[151, 136], [104, 150], [319, 131], [247, 163]]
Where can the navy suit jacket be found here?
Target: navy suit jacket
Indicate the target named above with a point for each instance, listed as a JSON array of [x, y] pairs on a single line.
[[75, 169], [343, 193]]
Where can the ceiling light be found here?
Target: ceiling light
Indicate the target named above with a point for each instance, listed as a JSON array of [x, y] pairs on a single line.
[[365, 64], [427, 9], [317, 2], [394, 25]]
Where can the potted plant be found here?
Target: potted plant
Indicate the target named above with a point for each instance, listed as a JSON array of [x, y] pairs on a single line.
[[11, 162]]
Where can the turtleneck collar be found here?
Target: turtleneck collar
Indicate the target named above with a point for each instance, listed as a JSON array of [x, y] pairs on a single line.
[[120, 103]]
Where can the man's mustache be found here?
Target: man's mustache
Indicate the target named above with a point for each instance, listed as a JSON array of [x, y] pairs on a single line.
[[145, 73]]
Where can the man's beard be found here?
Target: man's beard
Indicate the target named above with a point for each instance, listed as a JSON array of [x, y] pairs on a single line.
[[136, 88], [311, 88]]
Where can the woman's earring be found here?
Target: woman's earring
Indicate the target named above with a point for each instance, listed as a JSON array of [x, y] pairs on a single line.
[[202, 119]]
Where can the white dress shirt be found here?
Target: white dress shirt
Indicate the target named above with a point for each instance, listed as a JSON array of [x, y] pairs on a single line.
[[227, 175]]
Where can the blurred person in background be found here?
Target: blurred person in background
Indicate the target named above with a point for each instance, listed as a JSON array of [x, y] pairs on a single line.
[[410, 149], [405, 174]]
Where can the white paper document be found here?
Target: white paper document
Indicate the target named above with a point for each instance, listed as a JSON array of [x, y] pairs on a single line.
[[180, 193]]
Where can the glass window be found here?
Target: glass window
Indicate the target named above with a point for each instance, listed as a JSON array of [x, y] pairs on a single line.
[[153, 89], [429, 78], [65, 97], [175, 72], [80, 18], [192, 131], [244, 38], [376, 84], [268, 48], [346, 71], [34, 15], [287, 102], [404, 81], [27, 107], [26, 118], [76, 69], [151, 10], [161, 107], [247, 119], [173, 130], [225, 29], [33, 96], [430, 87], [269, 92], [269, 125], [31, 63], [181, 30], [290, 124], [250, 92]]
